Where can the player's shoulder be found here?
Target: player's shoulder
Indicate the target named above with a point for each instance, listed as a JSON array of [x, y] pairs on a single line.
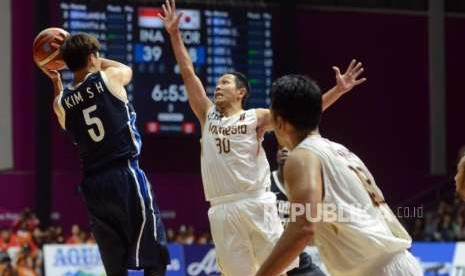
[[263, 116], [301, 157], [260, 112], [109, 72], [301, 166], [113, 74]]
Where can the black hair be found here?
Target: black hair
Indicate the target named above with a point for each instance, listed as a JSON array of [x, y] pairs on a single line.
[[76, 50], [297, 99], [241, 82]]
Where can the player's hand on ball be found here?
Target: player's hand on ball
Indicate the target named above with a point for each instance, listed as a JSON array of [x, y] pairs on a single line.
[[170, 17], [345, 82], [58, 40], [46, 48], [52, 74]]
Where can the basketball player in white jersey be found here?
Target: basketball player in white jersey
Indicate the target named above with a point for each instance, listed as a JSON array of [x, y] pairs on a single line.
[[307, 267], [235, 171], [460, 179], [354, 229]]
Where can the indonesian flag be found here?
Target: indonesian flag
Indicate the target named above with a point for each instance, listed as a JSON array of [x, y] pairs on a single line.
[[190, 20], [150, 17]]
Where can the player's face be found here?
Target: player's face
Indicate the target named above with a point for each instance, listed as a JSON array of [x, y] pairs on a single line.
[[226, 91]]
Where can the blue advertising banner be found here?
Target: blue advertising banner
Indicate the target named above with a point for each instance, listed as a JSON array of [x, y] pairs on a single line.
[[440, 259], [437, 259], [201, 260], [177, 266], [79, 260]]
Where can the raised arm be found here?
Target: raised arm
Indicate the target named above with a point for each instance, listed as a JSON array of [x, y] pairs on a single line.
[[118, 72], [198, 99], [344, 83], [118, 75], [55, 77], [302, 174]]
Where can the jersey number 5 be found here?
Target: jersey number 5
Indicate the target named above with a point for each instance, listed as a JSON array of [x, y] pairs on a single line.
[[94, 122]]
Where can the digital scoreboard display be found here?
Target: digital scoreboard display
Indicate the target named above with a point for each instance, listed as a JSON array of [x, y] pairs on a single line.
[[218, 40]]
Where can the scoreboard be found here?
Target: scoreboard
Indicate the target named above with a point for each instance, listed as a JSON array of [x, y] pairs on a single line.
[[218, 40]]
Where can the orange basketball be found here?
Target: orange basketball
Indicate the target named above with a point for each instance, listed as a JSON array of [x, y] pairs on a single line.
[[46, 48]]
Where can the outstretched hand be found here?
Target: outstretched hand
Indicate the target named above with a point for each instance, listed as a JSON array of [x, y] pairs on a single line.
[[345, 82], [170, 17]]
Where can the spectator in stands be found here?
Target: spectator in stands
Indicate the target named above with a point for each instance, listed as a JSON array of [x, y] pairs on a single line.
[[431, 224], [170, 235], [27, 220], [204, 238], [180, 237], [75, 236], [459, 227], [7, 240], [56, 234], [24, 237], [446, 223], [91, 239], [39, 238], [59, 233], [445, 230], [26, 263], [190, 235], [46, 236], [444, 208], [6, 269], [186, 235], [418, 232]]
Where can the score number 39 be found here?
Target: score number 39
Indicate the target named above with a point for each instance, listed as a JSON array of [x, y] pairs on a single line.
[[152, 53]]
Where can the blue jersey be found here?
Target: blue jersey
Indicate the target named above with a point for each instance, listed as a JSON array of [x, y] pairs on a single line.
[[101, 123]]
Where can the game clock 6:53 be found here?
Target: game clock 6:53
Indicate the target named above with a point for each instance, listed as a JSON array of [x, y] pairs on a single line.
[[173, 93]]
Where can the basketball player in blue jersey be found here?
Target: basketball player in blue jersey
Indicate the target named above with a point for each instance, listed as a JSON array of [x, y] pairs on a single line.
[[96, 112], [235, 172]]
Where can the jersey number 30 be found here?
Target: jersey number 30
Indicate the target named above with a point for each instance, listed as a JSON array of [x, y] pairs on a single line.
[[223, 145], [93, 123]]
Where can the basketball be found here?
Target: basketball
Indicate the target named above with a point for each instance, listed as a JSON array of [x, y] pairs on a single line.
[[45, 49]]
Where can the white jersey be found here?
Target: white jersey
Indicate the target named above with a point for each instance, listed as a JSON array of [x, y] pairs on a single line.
[[233, 160], [366, 231]]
